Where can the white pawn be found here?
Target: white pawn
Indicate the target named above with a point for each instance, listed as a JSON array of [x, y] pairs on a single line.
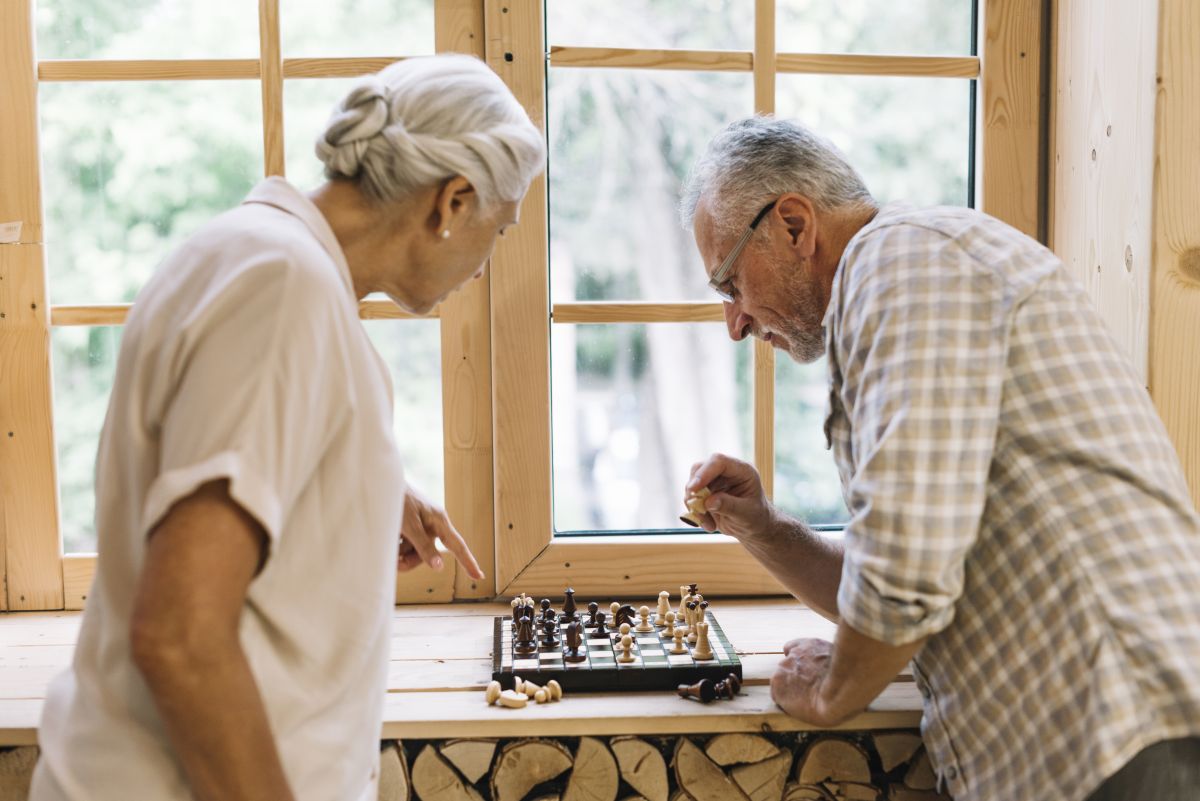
[[626, 654], [643, 625], [613, 608], [624, 629], [678, 647], [664, 606], [669, 625], [683, 599]]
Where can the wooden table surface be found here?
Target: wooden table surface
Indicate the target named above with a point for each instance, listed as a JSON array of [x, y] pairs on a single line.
[[441, 661]]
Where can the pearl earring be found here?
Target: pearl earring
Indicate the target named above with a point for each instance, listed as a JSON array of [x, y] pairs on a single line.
[[446, 234]]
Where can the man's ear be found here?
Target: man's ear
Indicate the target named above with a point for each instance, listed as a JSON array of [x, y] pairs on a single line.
[[799, 218], [455, 199]]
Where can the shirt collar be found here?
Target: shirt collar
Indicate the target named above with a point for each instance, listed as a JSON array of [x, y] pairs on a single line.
[[276, 191]]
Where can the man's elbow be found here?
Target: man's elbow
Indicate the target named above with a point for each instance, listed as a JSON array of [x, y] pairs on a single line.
[[166, 648]]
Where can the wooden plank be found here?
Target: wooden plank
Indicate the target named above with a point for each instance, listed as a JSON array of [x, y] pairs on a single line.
[[632, 566], [78, 571], [19, 721], [623, 57], [463, 714], [1175, 299], [1103, 159], [891, 66], [521, 316], [350, 67], [638, 312], [28, 485], [211, 69], [271, 58], [765, 62], [467, 365], [106, 314], [388, 310], [1009, 160]]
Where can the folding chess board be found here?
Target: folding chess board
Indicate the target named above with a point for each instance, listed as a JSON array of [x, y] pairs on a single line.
[[654, 666]]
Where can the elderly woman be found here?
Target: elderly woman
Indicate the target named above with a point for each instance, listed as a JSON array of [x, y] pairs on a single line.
[[249, 493]]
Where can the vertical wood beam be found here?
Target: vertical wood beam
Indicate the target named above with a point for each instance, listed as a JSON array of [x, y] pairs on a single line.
[[521, 314], [1008, 122], [764, 354], [271, 58], [1175, 290], [466, 364], [31, 556]]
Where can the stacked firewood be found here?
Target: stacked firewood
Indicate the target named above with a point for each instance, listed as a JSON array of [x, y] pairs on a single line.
[[885, 766]]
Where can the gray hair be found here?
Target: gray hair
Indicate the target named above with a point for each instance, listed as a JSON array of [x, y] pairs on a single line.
[[423, 120], [757, 159]]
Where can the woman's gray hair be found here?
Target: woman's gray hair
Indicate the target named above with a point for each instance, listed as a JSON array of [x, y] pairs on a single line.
[[757, 159], [422, 120]]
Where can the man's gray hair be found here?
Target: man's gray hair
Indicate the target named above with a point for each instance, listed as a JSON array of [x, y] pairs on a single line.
[[757, 159], [423, 120]]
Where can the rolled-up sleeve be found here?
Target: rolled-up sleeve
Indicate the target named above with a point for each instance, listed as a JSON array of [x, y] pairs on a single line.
[[921, 345]]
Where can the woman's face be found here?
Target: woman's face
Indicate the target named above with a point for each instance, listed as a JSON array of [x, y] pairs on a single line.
[[440, 264]]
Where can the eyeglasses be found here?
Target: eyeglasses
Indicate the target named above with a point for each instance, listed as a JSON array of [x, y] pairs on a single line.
[[720, 281]]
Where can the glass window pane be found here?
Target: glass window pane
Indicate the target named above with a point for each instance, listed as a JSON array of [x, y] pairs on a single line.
[[621, 143], [85, 363], [356, 27], [653, 24], [132, 169], [307, 105], [413, 352], [634, 406], [909, 138], [913, 27], [806, 478], [135, 29]]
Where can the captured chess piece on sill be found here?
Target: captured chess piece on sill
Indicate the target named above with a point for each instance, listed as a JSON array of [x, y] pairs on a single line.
[[707, 690]]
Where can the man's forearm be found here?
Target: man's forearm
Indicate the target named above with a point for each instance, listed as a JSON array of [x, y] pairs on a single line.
[[859, 669], [808, 565], [217, 724]]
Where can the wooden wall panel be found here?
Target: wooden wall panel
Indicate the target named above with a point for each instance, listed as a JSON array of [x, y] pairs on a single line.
[[1104, 87], [1175, 298], [28, 488]]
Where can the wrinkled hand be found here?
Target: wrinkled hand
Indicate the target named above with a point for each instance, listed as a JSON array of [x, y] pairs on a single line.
[[796, 685], [424, 524], [738, 505]]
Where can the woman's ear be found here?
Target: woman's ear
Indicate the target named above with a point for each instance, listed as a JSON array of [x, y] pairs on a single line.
[[454, 201]]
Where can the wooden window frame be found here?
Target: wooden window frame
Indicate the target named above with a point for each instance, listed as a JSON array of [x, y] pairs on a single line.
[[529, 558], [495, 333], [38, 575]]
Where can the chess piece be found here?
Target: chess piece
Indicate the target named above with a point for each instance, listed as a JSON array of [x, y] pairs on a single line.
[[627, 614], [668, 626], [664, 606], [644, 621], [525, 643], [600, 630], [550, 633], [728, 687], [683, 599], [678, 647], [703, 691], [574, 640], [591, 620], [691, 629], [626, 654], [703, 611], [547, 609], [621, 632], [613, 608], [568, 613], [702, 651], [693, 589]]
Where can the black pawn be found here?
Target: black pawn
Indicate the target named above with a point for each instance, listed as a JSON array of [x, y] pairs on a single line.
[[525, 643], [592, 607], [550, 633], [703, 691], [600, 630], [574, 640], [568, 606]]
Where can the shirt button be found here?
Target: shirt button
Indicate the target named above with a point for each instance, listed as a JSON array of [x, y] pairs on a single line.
[[951, 773]]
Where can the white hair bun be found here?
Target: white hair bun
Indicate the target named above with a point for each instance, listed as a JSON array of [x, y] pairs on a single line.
[[360, 117]]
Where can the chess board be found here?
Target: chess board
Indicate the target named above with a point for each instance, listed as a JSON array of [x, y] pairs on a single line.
[[654, 666]]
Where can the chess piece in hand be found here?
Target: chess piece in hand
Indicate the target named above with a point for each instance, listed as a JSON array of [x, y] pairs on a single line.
[[737, 504]]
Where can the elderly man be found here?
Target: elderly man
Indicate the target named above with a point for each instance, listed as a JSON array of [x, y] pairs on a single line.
[[1019, 528]]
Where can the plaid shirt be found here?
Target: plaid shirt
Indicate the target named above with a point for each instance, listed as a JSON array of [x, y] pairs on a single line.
[[1014, 496]]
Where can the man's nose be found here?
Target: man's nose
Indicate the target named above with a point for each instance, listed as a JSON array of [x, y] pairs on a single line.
[[740, 324]]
